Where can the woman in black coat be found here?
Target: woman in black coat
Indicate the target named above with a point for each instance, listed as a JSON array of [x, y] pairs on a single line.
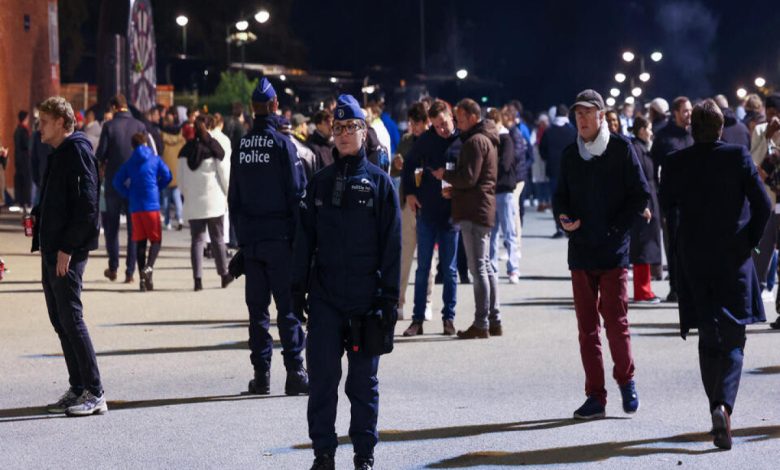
[[645, 247]]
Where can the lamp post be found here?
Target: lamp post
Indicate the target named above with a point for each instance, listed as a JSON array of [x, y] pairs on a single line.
[[182, 21], [243, 36], [462, 74], [629, 79]]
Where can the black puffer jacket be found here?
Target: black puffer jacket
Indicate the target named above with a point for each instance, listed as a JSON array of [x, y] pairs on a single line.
[[507, 163]]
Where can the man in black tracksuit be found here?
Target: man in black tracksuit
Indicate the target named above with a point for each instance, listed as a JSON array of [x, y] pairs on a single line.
[[66, 230], [266, 185], [348, 258]]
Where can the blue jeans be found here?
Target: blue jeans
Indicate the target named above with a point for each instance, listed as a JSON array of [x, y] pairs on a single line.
[[505, 221], [428, 235], [168, 194]]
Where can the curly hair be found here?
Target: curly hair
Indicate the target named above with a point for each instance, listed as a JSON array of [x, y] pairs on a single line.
[[58, 107]]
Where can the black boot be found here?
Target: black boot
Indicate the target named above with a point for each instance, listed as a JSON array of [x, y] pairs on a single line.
[[324, 462], [261, 384], [198, 284], [297, 382], [364, 463]]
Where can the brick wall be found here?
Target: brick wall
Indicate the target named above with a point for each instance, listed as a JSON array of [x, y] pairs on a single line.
[[27, 75]]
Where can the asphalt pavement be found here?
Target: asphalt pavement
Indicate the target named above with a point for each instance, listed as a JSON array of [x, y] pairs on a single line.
[[175, 366]]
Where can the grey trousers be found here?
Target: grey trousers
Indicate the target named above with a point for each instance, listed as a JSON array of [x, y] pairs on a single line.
[[198, 231], [476, 241]]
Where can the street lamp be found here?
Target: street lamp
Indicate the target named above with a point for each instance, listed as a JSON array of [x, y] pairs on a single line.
[[334, 80], [630, 100], [283, 77], [656, 56], [262, 16], [611, 101], [741, 93], [628, 56], [636, 91], [462, 74], [644, 76], [614, 92], [182, 21], [620, 77], [760, 82], [242, 25]]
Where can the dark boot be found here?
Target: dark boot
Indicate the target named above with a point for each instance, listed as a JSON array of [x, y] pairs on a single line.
[[261, 384], [416, 328], [449, 328], [496, 330], [324, 462], [297, 382], [198, 284], [146, 278], [226, 280], [721, 428], [474, 332], [363, 463]]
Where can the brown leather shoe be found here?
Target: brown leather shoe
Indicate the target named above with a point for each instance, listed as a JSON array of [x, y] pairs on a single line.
[[416, 328], [129, 279], [449, 328], [473, 332], [496, 330], [721, 428], [111, 275]]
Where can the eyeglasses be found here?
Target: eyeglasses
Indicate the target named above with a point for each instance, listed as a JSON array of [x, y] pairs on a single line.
[[351, 128]]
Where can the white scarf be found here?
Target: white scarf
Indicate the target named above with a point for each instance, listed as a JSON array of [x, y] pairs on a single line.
[[598, 146]]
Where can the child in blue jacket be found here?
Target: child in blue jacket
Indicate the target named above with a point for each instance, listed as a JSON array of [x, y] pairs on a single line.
[[140, 179]]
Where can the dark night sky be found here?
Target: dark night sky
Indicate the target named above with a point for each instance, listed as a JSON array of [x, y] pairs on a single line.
[[543, 51]]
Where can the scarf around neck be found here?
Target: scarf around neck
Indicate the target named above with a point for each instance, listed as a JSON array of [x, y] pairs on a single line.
[[597, 147]]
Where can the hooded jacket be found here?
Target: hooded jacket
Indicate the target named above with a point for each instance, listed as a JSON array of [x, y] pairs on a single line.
[[147, 174], [474, 178], [67, 215], [322, 147], [205, 187]]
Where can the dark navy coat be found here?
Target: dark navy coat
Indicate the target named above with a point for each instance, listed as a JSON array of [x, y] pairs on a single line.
[[355, 247], [646, 236], [723, 211], [606, 194], [266, 184]]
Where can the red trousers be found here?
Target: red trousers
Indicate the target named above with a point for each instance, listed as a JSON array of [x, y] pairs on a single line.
[[643, 290], [603, 292]]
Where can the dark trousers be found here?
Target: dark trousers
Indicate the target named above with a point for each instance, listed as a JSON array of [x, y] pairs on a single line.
[[23, 189], [198, 232], [115, 206], [603, 292], [63, 300], [670, 224], [268, 272], [328, 335], [721, 351]]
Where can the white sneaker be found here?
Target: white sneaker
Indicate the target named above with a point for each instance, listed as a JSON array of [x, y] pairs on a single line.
[[767, 295], [67, 400], [88, 405], [514, 278]]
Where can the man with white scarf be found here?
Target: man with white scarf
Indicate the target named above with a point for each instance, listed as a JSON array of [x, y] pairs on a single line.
[[601, 192]]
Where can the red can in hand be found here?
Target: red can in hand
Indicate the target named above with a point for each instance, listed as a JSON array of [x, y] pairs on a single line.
[[28, 225], [2, 269]]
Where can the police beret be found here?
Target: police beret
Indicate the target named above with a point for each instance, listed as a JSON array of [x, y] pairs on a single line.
[[264, 92], [347, 107]]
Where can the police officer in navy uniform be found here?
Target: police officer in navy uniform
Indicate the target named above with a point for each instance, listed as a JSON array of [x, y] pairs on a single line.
[[266, 186], [347, 259]]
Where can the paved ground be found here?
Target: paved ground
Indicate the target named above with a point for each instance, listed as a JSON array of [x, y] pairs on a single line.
[[175, 363]]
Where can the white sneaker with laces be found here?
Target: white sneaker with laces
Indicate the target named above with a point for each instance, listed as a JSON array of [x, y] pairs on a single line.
[[67, 400], [89, 405]]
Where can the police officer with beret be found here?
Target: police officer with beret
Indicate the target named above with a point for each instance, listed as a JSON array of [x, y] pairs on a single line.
[[347, 258], [266, 186]]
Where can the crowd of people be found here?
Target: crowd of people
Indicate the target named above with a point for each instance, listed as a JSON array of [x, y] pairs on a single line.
[[328, 212]]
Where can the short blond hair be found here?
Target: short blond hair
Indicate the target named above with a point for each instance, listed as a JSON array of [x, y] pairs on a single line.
[[58, 107]]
